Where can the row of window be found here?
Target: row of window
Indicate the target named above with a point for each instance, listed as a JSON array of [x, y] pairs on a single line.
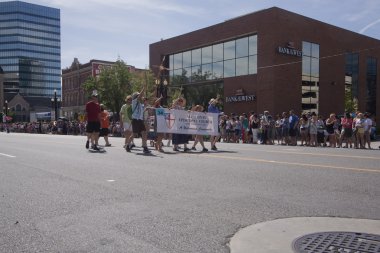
[[215, 53], [231, 58], [15, 61], [38, 41], [38, 12], [27, 25], [32, 33], [37, 70], [30, 47], [310, 77], [215, 70], [33, 55]]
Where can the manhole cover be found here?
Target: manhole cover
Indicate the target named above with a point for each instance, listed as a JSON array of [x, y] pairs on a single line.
[[337, 242]]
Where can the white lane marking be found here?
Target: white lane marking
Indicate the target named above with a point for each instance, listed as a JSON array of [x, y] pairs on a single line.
[[12, 156], [110, 180]]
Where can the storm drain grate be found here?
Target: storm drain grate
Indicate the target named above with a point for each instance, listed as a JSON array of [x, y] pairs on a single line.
[[337, 242]]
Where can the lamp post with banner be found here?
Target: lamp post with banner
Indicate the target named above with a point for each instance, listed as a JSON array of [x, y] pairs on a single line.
[[161, 89], [55, 103], [5, 115]]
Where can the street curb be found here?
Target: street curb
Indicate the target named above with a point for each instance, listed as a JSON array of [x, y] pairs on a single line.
[[278, 235]]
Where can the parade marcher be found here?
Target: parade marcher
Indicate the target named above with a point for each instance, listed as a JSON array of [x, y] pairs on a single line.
[[198, 138], [177, 139], [159, 136], [126, 122], [213, 109], [93, 121], [138, 125], [104, 124]]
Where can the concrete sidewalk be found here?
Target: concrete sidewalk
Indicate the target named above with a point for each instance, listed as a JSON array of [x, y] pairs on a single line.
[[278, 235]]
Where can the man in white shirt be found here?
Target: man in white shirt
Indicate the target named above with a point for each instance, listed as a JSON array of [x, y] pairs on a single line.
[[367, 130]]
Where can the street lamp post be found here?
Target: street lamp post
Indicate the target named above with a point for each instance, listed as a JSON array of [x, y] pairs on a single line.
[[55, 100], [6, 108], [161, 90]]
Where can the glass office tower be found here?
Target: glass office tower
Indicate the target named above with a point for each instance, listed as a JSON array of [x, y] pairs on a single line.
[[30, 49]]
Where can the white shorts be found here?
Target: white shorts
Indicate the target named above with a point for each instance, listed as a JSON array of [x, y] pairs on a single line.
[[127, 126]]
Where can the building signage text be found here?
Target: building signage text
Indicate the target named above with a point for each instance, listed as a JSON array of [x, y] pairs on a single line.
[[289, 51], [241, 98]]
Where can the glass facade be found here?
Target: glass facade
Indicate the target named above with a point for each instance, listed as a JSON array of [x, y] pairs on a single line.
[[30, 48], [371, 85], [228, 59], [351, 81], [310, 77]]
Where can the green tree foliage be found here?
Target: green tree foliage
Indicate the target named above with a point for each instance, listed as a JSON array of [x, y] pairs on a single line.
[[115, 83], [349, 103]]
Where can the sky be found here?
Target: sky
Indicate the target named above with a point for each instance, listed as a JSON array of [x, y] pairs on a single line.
[[123, 29]]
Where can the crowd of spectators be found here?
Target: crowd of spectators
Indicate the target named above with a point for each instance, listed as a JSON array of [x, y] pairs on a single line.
[[245, 128]]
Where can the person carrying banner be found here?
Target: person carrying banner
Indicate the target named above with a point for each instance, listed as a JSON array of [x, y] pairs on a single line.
[[198, 138], [213, 109], [177, 139]]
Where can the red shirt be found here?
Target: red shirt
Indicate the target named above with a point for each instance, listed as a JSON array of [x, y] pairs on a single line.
[[346, 122], [93, 110]]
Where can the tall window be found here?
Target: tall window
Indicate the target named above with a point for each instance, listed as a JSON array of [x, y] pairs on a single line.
[[236, 57], [371, 85], [310, 77], [351, 82]]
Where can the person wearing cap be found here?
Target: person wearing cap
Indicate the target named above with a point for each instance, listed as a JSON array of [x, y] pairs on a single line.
[[93, 121], [138, 125], [213, 109], [104, 124]]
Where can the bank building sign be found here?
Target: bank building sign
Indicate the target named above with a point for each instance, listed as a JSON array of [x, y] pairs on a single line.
[[240, 96], [289, 50]]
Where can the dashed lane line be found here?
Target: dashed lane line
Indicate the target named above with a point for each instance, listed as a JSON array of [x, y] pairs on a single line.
[[12, 156]]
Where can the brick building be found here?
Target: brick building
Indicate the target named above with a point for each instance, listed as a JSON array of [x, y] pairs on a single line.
[[273, 60], [74, 97]]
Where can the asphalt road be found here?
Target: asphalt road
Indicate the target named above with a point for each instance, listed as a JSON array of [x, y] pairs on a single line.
[[56, 196]]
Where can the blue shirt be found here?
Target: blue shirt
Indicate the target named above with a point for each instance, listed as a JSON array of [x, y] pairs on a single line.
[[213, 108], [137, 109]]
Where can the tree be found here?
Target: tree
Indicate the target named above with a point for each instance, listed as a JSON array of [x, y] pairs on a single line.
[[115, 83]]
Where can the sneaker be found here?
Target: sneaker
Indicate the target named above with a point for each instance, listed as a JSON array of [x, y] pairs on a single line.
[[133, 145], [204, 150], [193, 148], [94, 147], [214, 148], [127, 148], [108, 145], [146, 150], [87, 144], [186, 149]]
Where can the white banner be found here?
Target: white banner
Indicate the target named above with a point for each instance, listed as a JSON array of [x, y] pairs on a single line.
[[186, 122]]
